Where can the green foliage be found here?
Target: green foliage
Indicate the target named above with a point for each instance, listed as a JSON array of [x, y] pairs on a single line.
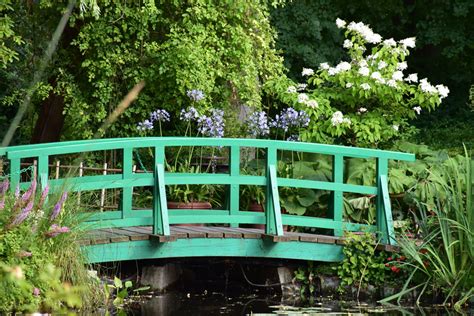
[[361, 265], [120, 291], [443, 263], [308, 37], [41, 263], [7, 35], [367, 101], [307, 276], [223, 48]]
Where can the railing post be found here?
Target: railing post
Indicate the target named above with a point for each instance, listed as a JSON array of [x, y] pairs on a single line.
[[160, 209], [127, 192], [234, 187], [274, 224], [14, 173], [383, 214], [390, 233], [337, 196]]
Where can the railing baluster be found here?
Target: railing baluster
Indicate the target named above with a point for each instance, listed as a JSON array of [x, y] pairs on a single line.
[[127, 192], [14, 173], [234, 187], [272, 209], [160, 209], [390, 233], [382, 169], [337, 196]]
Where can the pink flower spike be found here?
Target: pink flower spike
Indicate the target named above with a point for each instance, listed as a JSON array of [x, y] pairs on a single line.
[[36, 291]]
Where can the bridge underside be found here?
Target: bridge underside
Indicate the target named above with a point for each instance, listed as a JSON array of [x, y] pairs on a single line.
[[135, 243]]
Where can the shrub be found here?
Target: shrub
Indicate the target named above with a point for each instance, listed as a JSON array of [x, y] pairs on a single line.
[[366, 100], [41, 267]]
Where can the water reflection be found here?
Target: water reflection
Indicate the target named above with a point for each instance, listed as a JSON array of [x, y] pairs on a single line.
[[176, 304]]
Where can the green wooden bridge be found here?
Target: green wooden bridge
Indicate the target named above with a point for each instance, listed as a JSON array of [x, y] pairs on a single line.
[[131, 234]]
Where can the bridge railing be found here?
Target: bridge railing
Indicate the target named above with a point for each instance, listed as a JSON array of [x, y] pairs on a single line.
[[160, 217]]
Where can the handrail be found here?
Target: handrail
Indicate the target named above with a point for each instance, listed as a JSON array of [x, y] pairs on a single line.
[[58, 148], [160, 217]]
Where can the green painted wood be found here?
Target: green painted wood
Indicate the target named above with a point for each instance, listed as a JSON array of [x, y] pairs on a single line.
[[390, 232], [269, 207], [141, 142], [381, 170], [160, 209], [43, 165], [337, 196], [213, 247], [276, 211], [234, 203], [127, 165], [14, 173], [114, 181], [160, 217], [327, 223]]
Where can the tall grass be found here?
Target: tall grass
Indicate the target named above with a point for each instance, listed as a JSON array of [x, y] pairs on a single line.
[[443, 264]]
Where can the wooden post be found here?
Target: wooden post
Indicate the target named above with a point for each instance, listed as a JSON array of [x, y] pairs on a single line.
[[102, 193], [337, 196], [234, 187], [382, 169], [81, 171], [57, 169], [35, 169]]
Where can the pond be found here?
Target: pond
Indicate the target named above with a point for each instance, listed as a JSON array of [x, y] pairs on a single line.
[[219, 288]]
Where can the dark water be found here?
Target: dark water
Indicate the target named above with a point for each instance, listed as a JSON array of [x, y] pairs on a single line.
[[220, 288], [188, 304]]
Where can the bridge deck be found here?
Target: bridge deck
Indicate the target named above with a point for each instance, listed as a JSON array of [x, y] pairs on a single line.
[[115, 242], [114, 235]]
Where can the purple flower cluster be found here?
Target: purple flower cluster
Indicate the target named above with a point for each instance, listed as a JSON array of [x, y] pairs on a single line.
[[160, 116], [55, 230], [195, 95], [23, 214], [145, 125], [30, 192], [289, 118], [213, 125], [57, 208], [155, 116], [189, 115], [257, 124], [3, 190]]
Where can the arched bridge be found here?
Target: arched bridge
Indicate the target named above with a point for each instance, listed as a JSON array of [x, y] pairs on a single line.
[[128, 233]]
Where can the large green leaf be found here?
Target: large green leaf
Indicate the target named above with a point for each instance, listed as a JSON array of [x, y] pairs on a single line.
[[306, 197]]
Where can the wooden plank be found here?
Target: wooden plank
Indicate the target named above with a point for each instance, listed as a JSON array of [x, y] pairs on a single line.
[[176, 231], [326, 239], [134, 235], [248, 233], [211, 232], [114, 235], [163, 238], [276, 238], [309, 238]]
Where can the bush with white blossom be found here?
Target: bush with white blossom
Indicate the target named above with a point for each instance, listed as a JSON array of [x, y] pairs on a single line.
[[368, 99]]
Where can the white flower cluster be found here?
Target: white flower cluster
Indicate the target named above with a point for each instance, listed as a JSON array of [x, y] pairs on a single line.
[[361, 110], [341, 67], [408, 42], [347, 44], [304, 99], [338, 118], [291, 89], [412, 78], [364, 30], [307, 72]]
